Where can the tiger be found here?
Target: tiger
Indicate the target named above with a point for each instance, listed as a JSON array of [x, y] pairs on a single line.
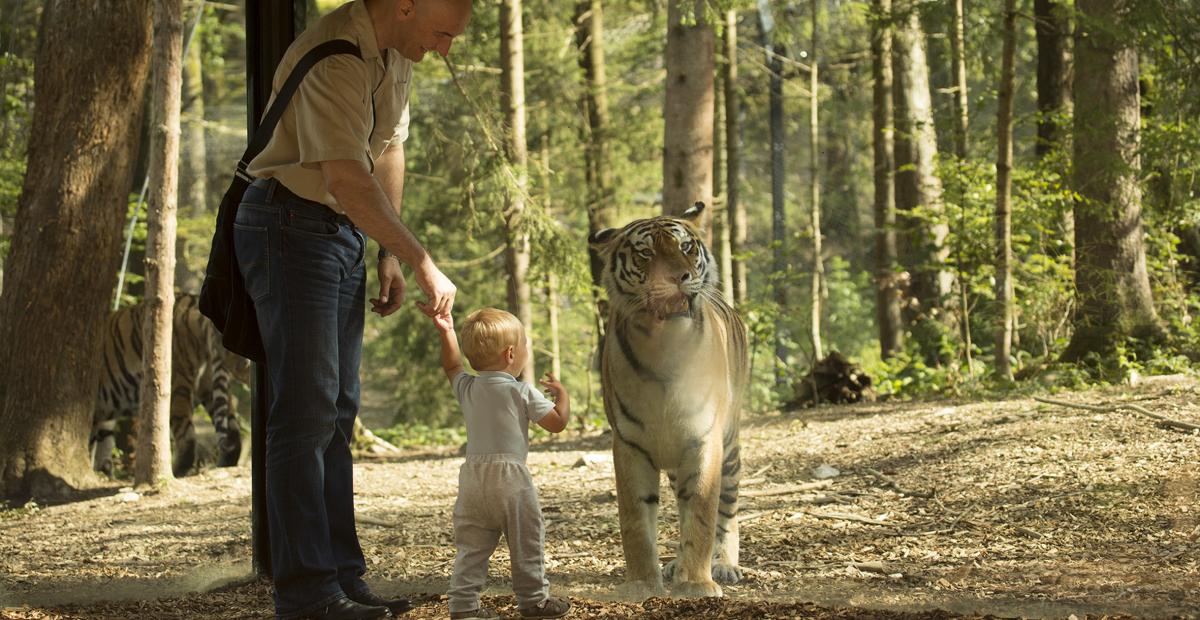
[[674, 368], [201, 370]]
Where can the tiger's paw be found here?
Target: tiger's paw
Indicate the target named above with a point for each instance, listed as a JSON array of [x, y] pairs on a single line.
[[726, 573], [696, 589], [640, 590]]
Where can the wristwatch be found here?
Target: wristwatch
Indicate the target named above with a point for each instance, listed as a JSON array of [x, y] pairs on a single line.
[[383, 253]]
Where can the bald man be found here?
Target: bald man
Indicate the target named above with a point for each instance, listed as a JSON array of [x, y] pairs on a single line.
[[331, 177]]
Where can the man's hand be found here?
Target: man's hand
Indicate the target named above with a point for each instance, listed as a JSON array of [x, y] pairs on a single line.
[[437, 287], [391, 287]]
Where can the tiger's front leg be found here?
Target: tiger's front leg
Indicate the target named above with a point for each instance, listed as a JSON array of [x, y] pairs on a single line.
[[637, 506], [698, 490]]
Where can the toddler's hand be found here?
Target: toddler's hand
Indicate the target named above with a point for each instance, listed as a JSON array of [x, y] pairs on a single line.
[[443, 322], [551, 383]]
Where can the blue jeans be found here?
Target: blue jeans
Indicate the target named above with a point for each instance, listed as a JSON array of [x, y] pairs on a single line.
[[303, 266]]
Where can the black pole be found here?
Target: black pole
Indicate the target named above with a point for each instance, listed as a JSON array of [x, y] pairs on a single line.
[[271, 25]]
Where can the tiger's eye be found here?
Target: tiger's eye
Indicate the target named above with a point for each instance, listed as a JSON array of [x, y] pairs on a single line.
[[687, 247]]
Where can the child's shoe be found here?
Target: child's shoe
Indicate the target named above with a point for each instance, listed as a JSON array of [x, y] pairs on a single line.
[[481, 613], [552, 607]]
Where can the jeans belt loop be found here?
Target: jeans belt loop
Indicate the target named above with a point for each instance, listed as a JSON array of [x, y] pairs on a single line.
[[272, 183]]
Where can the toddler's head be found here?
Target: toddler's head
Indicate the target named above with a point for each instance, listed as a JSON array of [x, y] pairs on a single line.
[[493, 339]]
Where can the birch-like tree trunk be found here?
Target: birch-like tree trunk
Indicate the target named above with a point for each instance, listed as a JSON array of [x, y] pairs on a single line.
[[1112, 284], [687, 112], [958, 55], [887, 290], [919, 205], [735, 211], [1003, 217], [62, 265], [720, 222], [512, 95], [814, 172]]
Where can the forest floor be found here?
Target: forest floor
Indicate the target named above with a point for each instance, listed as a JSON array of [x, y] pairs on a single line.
[[937, 509]]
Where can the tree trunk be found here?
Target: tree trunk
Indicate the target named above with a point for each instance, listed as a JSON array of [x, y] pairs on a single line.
[[551, 276], [1003, 220], [1113, 287], [69, 217], [1053, 26], [918, 189], [512, 94], [687, 113], [153, 461], [735, 212], [193, 173], [589, 37], [958, 56], [778, 216], [887, 290], [720, 222], [814, 172]]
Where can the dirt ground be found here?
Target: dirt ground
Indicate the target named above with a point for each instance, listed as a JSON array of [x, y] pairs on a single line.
[[941, 509]]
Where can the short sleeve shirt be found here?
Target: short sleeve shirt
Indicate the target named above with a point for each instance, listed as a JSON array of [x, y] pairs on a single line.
[[345, 108], [498, 409]]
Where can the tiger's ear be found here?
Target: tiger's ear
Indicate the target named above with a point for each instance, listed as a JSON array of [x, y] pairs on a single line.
[[600, 239], [693, 213]]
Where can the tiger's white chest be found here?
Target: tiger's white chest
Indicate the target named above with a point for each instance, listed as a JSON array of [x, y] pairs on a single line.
[[667, 393]]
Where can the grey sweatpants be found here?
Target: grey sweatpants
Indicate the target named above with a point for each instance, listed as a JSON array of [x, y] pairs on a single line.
[[496, 495]]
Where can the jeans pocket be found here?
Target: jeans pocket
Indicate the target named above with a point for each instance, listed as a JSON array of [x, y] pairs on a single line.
[[252, 246], [309, 226]]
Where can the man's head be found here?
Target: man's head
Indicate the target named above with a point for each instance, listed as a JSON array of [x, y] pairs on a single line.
[[413, 27], [493, 339]]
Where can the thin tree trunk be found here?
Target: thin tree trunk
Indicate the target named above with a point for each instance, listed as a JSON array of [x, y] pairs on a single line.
[[887, 291], [193, 173], [687, 113], [719, 220], [69, 215], [814, 171], [958, 56], [152, 464], [512, 94], [778, 215], [735, 212], [918, 189], [589, 38], [1003, 220], [551, 276], [1111, 280]]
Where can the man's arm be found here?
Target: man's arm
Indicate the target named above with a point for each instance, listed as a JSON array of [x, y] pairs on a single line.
[[389, 170], [364, 201]]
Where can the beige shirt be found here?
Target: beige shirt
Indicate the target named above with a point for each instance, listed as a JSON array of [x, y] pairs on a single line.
[[345, 108]]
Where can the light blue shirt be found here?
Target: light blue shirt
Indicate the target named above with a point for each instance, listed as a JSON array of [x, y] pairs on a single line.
[[498, 409]]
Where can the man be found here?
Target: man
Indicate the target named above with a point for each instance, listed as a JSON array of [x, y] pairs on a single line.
[[333, 174]]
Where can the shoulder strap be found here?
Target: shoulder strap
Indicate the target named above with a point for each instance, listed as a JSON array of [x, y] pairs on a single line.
[[263, 134]]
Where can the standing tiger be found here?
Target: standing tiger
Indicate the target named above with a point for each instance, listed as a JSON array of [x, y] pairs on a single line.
[[674, 366], [200, 372]]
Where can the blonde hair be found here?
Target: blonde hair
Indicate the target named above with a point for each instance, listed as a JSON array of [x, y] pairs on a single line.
[[487, 332]]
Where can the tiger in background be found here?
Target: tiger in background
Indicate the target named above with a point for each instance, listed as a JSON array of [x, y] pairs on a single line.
[[674, 365], [201, 370]]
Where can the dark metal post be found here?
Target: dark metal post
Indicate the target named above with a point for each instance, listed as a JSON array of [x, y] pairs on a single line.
[[271, 25]]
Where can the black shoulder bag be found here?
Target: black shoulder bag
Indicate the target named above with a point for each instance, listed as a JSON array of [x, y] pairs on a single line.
[[223, 297]]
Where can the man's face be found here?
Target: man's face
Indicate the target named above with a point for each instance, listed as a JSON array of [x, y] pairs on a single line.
[[431, 26]]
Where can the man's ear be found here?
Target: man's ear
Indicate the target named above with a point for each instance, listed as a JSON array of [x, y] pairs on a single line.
[[405, 9]]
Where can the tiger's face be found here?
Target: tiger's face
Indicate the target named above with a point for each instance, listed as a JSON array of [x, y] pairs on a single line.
[[658, 266]]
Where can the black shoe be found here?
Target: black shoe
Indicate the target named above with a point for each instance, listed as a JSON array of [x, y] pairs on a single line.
[[397, 605], [346, 609]]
